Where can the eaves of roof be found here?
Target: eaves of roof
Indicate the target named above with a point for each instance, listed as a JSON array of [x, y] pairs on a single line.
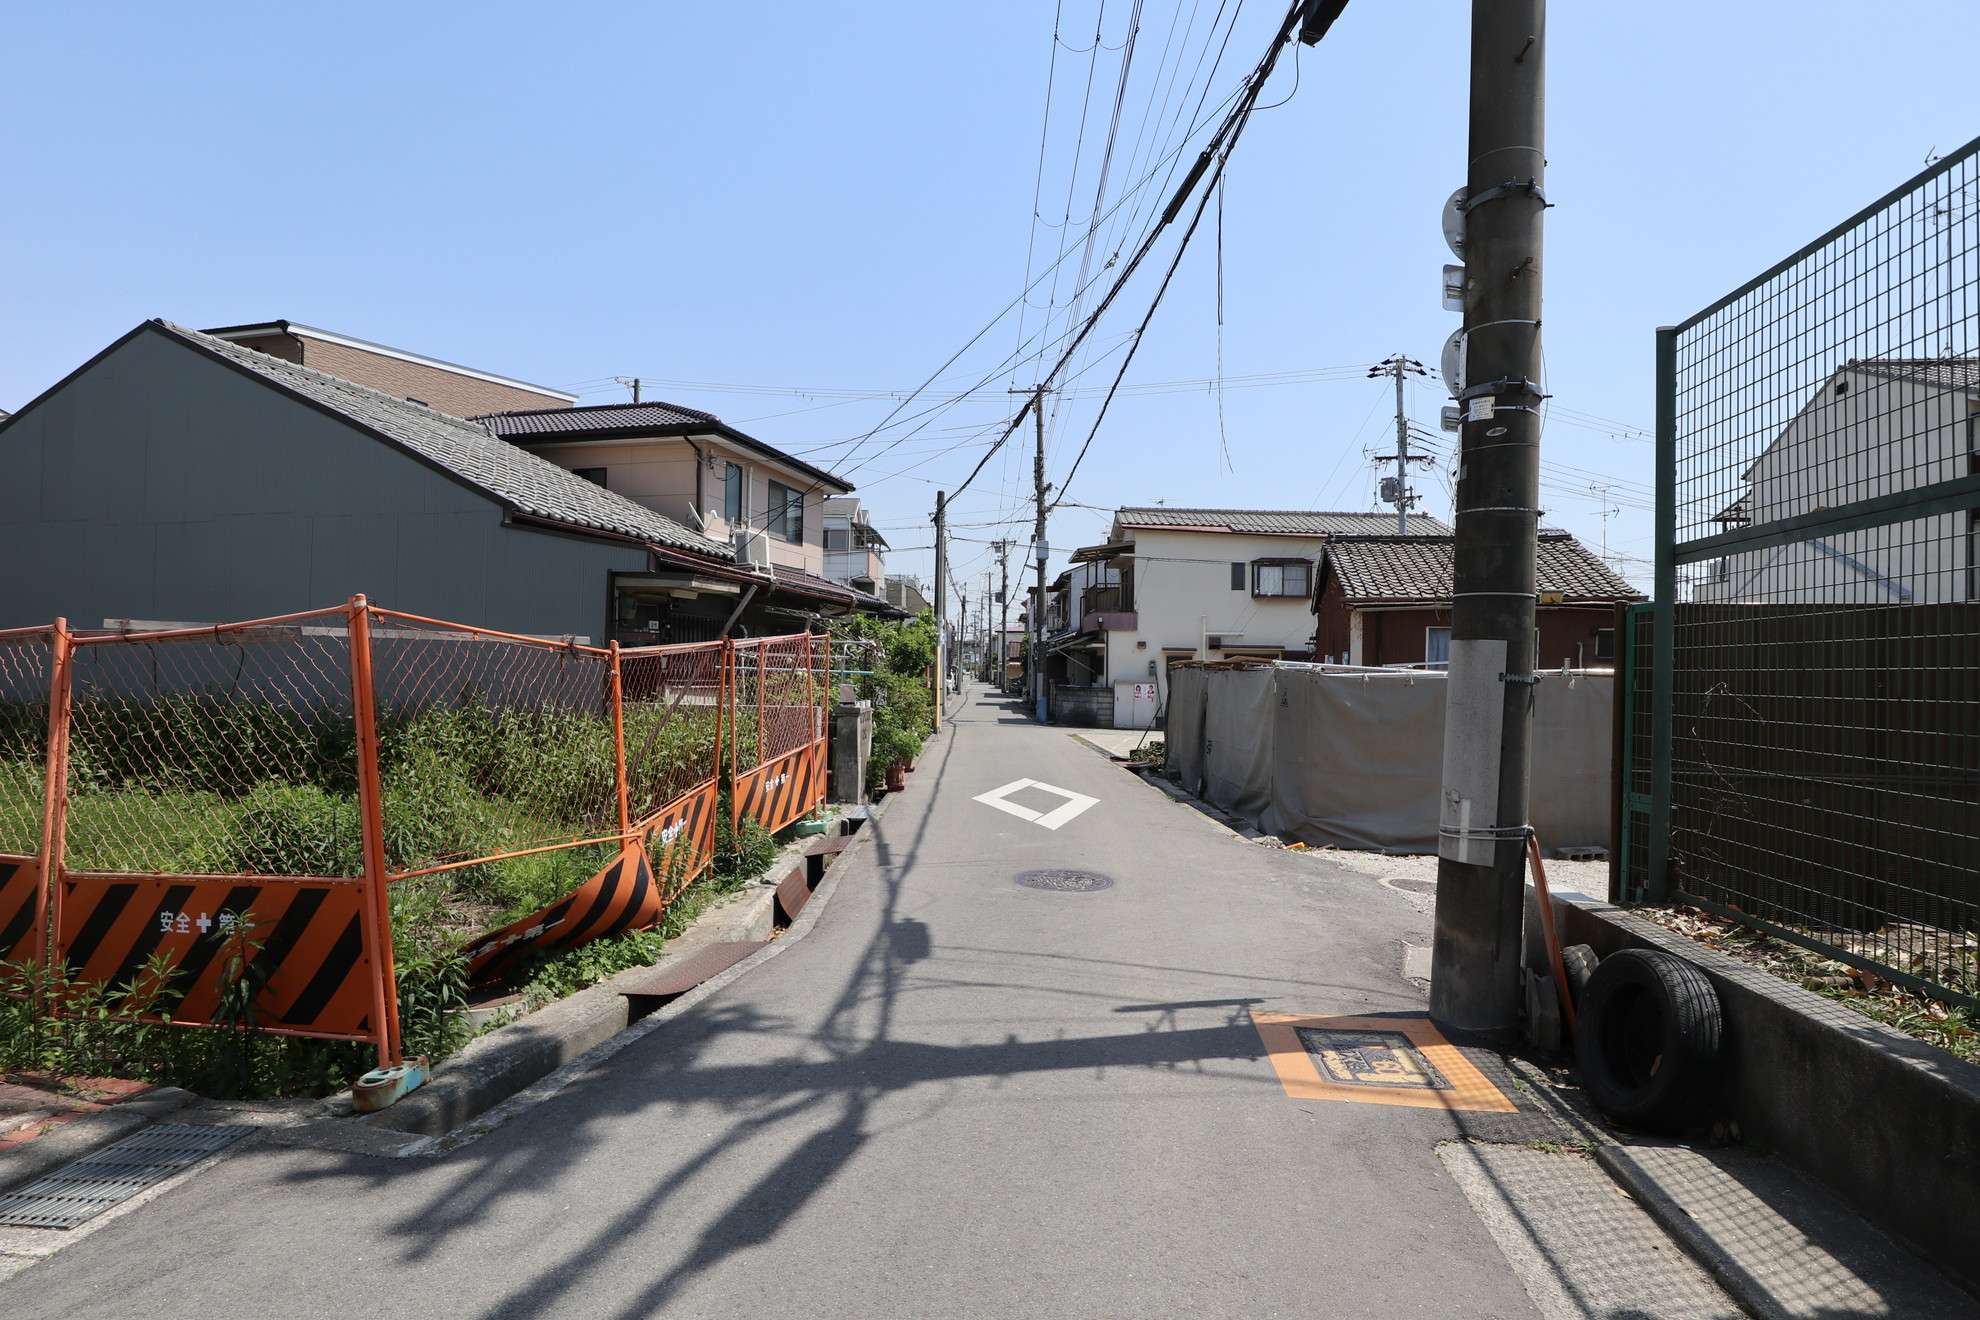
[[714, 426]]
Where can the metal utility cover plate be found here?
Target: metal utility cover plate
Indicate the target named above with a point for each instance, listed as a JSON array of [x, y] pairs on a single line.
[[78, 1192], [1370, 1058], [1380, 1060], [1065, 882]]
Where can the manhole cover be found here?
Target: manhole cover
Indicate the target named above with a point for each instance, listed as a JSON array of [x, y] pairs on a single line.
[[1064, 882], [1412, 884], [79, 1192], [1370, 1058]]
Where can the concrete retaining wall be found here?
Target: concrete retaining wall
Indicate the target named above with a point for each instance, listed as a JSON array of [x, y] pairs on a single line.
[[1083, 707]]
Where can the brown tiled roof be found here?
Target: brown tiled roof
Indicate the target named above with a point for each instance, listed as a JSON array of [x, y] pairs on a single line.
[[1398, 570], [1272, 522], [798, 582], [595, 417], [513, 477]]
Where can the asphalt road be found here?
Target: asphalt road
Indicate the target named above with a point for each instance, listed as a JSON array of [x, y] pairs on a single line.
[[955, 1097]]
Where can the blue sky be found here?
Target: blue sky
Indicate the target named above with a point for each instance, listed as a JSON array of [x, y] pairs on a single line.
[[807, 203]]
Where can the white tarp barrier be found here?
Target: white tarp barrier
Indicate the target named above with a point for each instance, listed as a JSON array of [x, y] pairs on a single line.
[[1356, 760], [1182, 730], [1238, 728]]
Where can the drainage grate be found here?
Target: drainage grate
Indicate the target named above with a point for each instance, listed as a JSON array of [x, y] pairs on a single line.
[[1064, 882], [78, 1192]]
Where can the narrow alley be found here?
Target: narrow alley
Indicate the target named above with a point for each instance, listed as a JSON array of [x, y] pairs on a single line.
[[956, 1095]]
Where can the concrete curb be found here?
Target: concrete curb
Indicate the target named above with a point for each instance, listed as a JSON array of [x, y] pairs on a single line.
[[78, 1137], [1802, 1070], [528, 1061], [496, 1066], [1783, 1248], [558, 1080]]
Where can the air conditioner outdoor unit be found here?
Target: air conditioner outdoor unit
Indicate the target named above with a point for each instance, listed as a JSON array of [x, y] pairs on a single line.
[[753, 549]]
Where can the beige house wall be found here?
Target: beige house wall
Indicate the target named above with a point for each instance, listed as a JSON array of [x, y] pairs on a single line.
[[659, 473], [449, 391]]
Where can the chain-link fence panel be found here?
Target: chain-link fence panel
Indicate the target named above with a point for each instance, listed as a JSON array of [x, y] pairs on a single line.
[[228, 750], [672, 703], [1822, 552], [489, 744], [779, 686], [26, 659]]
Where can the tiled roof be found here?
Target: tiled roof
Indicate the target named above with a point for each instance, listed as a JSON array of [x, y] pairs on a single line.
[[1951, 373], [631, 420], [652, 415], [1272, 522], [1407, 569], [798, 581], [468, 450]]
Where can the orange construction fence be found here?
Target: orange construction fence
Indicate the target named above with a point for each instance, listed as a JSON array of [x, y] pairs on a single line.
[[260, 786]]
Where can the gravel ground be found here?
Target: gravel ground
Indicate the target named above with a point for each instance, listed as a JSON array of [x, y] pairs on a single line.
[[1590, 878]]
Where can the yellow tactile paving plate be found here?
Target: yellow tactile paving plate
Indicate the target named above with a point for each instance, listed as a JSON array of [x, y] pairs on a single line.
[[1375, 1061]]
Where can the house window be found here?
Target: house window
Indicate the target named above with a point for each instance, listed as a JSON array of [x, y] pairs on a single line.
[[596, 476], [1605, 643], [1237, 577], [1282, 577], [838, 538], [732, 493], [784, 519], [1437, 646]]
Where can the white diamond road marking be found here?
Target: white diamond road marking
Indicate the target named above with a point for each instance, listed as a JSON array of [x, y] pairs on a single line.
[[1074, 803]]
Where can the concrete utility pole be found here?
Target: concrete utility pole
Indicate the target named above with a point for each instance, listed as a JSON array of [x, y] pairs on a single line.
[[1038, 547], [1481, 871], [1398, 366], [941, 597], [983, 631], [1004, 614]]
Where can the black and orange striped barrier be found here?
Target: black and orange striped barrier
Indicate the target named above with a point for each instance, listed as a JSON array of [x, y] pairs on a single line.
[[785, 790], [301, 941], [21, 901], [621, 897]]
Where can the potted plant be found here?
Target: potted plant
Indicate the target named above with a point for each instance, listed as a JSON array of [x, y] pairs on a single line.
[[894, 749]]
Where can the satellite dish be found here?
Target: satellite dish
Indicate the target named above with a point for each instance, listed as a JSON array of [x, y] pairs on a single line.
[[1454, 222], [1451, 362]]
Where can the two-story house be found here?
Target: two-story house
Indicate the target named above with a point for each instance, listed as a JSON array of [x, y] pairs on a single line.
[[694, 467], [855, 551], [1174, 584], [1877, 427]]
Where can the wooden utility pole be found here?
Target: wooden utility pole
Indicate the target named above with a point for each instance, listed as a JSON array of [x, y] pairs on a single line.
[[1481, 884], [941, 597]]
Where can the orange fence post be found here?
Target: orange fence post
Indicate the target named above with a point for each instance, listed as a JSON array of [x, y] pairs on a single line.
[[619, 746], [735, 737], [721, 709], [762, 728], [376, 910], [54, 797]]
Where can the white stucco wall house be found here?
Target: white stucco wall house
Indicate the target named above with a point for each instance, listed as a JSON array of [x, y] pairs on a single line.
[[1173, 584]]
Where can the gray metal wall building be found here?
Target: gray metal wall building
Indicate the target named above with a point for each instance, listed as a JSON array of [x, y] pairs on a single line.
[[157, 483]]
